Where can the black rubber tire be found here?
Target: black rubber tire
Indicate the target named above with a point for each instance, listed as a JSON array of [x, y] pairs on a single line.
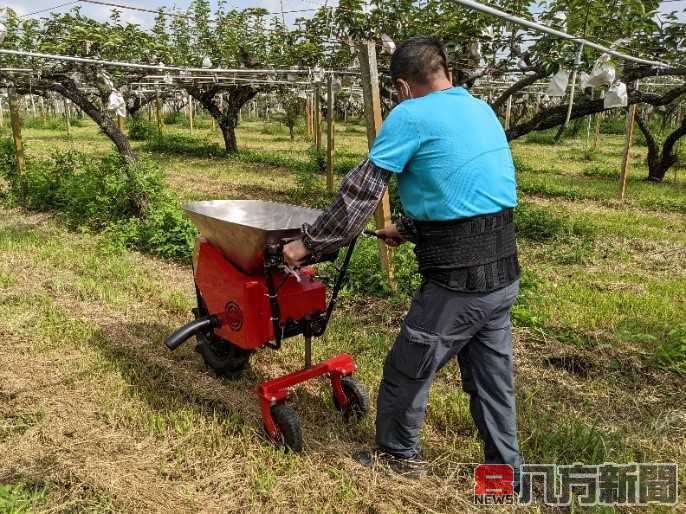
[[358, 405], [226, 359], [288, 423]]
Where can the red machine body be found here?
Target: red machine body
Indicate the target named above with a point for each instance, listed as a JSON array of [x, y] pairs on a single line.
[[242, 301], [238, 313]]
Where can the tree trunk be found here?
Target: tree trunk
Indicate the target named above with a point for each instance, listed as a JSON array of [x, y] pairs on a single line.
[[228, 128], [70, 91], [660, 160], [226, 114], [139, 102]]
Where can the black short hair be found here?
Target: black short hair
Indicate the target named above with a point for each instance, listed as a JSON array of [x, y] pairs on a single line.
[[418, 59]]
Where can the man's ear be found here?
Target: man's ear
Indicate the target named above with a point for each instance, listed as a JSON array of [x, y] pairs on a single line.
[[404, 90]]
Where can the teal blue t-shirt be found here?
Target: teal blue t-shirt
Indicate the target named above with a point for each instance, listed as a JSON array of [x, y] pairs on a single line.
[[451, 156]]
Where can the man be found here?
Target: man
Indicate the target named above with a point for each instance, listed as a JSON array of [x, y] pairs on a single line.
[[457, 187]]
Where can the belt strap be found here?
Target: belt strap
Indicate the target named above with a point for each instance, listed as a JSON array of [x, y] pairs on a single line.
[[465, 243], [474, 255]]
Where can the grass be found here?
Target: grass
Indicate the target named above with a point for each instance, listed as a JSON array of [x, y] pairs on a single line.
[[21, 498], [95, 415]]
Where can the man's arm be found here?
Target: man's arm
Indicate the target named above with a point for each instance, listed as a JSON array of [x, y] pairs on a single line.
[[360, 193]]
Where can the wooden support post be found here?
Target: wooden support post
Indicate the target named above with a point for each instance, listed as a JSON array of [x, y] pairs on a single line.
[[15, 120], [317, 119], [158, 113], [67, 121], [308, 115], [508, 111], [628, 140], [598, 120], [2, 115], [372, 111], [330, 134], [190, 113]]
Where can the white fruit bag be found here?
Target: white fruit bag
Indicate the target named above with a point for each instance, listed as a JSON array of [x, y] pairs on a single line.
[[558, 84], [387, 44], [603, 72], [116, 103], [583, 80], [616, 96]]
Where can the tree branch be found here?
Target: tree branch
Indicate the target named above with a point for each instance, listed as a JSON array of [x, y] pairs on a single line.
[[525, 81], [555, 116]]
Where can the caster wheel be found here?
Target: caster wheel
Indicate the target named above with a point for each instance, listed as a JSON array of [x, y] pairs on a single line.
[[286, 419], [226, 359], [358, 400]]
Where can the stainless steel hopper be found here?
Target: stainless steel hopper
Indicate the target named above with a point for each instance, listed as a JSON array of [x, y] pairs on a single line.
[[242, 228]]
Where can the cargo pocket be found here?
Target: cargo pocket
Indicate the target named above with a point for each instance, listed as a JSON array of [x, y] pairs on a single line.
[[414, 352]]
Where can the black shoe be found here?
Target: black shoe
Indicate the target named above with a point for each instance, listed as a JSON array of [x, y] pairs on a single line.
[[413, 467]]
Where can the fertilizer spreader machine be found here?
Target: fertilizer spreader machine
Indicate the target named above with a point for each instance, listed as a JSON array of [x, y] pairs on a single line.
[[248, 299]]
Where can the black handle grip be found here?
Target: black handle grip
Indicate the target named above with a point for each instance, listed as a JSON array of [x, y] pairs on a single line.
[[182, 334]]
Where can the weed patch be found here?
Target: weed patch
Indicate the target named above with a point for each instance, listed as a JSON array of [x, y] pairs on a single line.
[[540, 225], [544, 137], [141, 130], [671, 355], [565, 440], [182, 144], [104, 196]]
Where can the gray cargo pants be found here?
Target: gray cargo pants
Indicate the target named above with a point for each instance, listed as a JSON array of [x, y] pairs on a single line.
[[440, 325]]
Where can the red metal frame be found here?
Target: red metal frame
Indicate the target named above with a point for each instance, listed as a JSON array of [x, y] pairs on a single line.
[[275, 391]]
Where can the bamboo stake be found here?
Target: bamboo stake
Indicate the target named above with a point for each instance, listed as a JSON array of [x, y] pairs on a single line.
[[372, 111], [330, 134], [67, 121], [158, 114], [631, 116], [598, 120], [15, 120], [577, 63], [317, 120], [190, 113], [308, 118], [508, 111]]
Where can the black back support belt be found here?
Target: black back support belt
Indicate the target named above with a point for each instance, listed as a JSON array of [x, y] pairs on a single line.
[[476, 254]]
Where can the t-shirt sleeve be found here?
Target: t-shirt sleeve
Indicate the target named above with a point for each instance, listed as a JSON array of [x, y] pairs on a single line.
[[397, 141]]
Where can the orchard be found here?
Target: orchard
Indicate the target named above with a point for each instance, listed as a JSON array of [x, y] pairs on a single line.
[[110, 129]]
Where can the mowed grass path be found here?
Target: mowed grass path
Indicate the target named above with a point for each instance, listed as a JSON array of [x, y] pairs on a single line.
[[97, 415]]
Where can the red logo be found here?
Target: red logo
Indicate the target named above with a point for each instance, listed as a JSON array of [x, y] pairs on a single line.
[[233, 316], [493, 480]]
